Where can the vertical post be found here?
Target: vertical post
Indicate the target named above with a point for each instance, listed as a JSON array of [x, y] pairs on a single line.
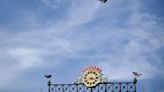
[[120, 87], [105, 87], [135, 82], [135, 88], [112, 87], [76, 87], [49, 82]]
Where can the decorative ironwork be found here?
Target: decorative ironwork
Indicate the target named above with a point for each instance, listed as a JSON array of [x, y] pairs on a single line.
[[90, 75], [101, 87]]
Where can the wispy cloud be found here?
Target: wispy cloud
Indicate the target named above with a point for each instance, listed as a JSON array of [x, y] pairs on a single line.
[[119, 40], [32, 48], [51, 3], [143, 37], [25, 57]]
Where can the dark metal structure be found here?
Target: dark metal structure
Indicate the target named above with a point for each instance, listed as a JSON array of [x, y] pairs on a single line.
[[104, 1], [101, 87]]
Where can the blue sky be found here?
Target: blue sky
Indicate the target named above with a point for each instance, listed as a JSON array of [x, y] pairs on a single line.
[[61, 37]]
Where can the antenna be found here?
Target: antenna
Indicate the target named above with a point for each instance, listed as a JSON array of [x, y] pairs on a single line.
[[143, 88], [41, 90]]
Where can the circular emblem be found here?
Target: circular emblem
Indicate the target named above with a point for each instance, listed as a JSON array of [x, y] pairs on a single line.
[[91, 78]]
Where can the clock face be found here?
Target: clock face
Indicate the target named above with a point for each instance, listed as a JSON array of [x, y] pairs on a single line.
[[91, 78]]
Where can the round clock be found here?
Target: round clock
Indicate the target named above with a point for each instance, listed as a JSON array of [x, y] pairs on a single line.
[[91, 78]]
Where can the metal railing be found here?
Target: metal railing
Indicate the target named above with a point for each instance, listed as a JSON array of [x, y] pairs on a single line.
[[101, 87]]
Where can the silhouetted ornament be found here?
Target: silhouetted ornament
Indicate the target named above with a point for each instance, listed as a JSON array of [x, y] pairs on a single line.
[[135, 80], [104, 1]]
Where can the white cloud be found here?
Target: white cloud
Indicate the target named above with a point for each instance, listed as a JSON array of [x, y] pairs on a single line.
[[26, 57], [16, 60], [51, 3], [144, 37], [82, 12], [117, 50]]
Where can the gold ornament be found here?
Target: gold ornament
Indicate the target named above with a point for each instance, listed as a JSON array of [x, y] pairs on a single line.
[[91, 77]]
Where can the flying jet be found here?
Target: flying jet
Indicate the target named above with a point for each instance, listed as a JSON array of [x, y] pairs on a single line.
[[104, 1]]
